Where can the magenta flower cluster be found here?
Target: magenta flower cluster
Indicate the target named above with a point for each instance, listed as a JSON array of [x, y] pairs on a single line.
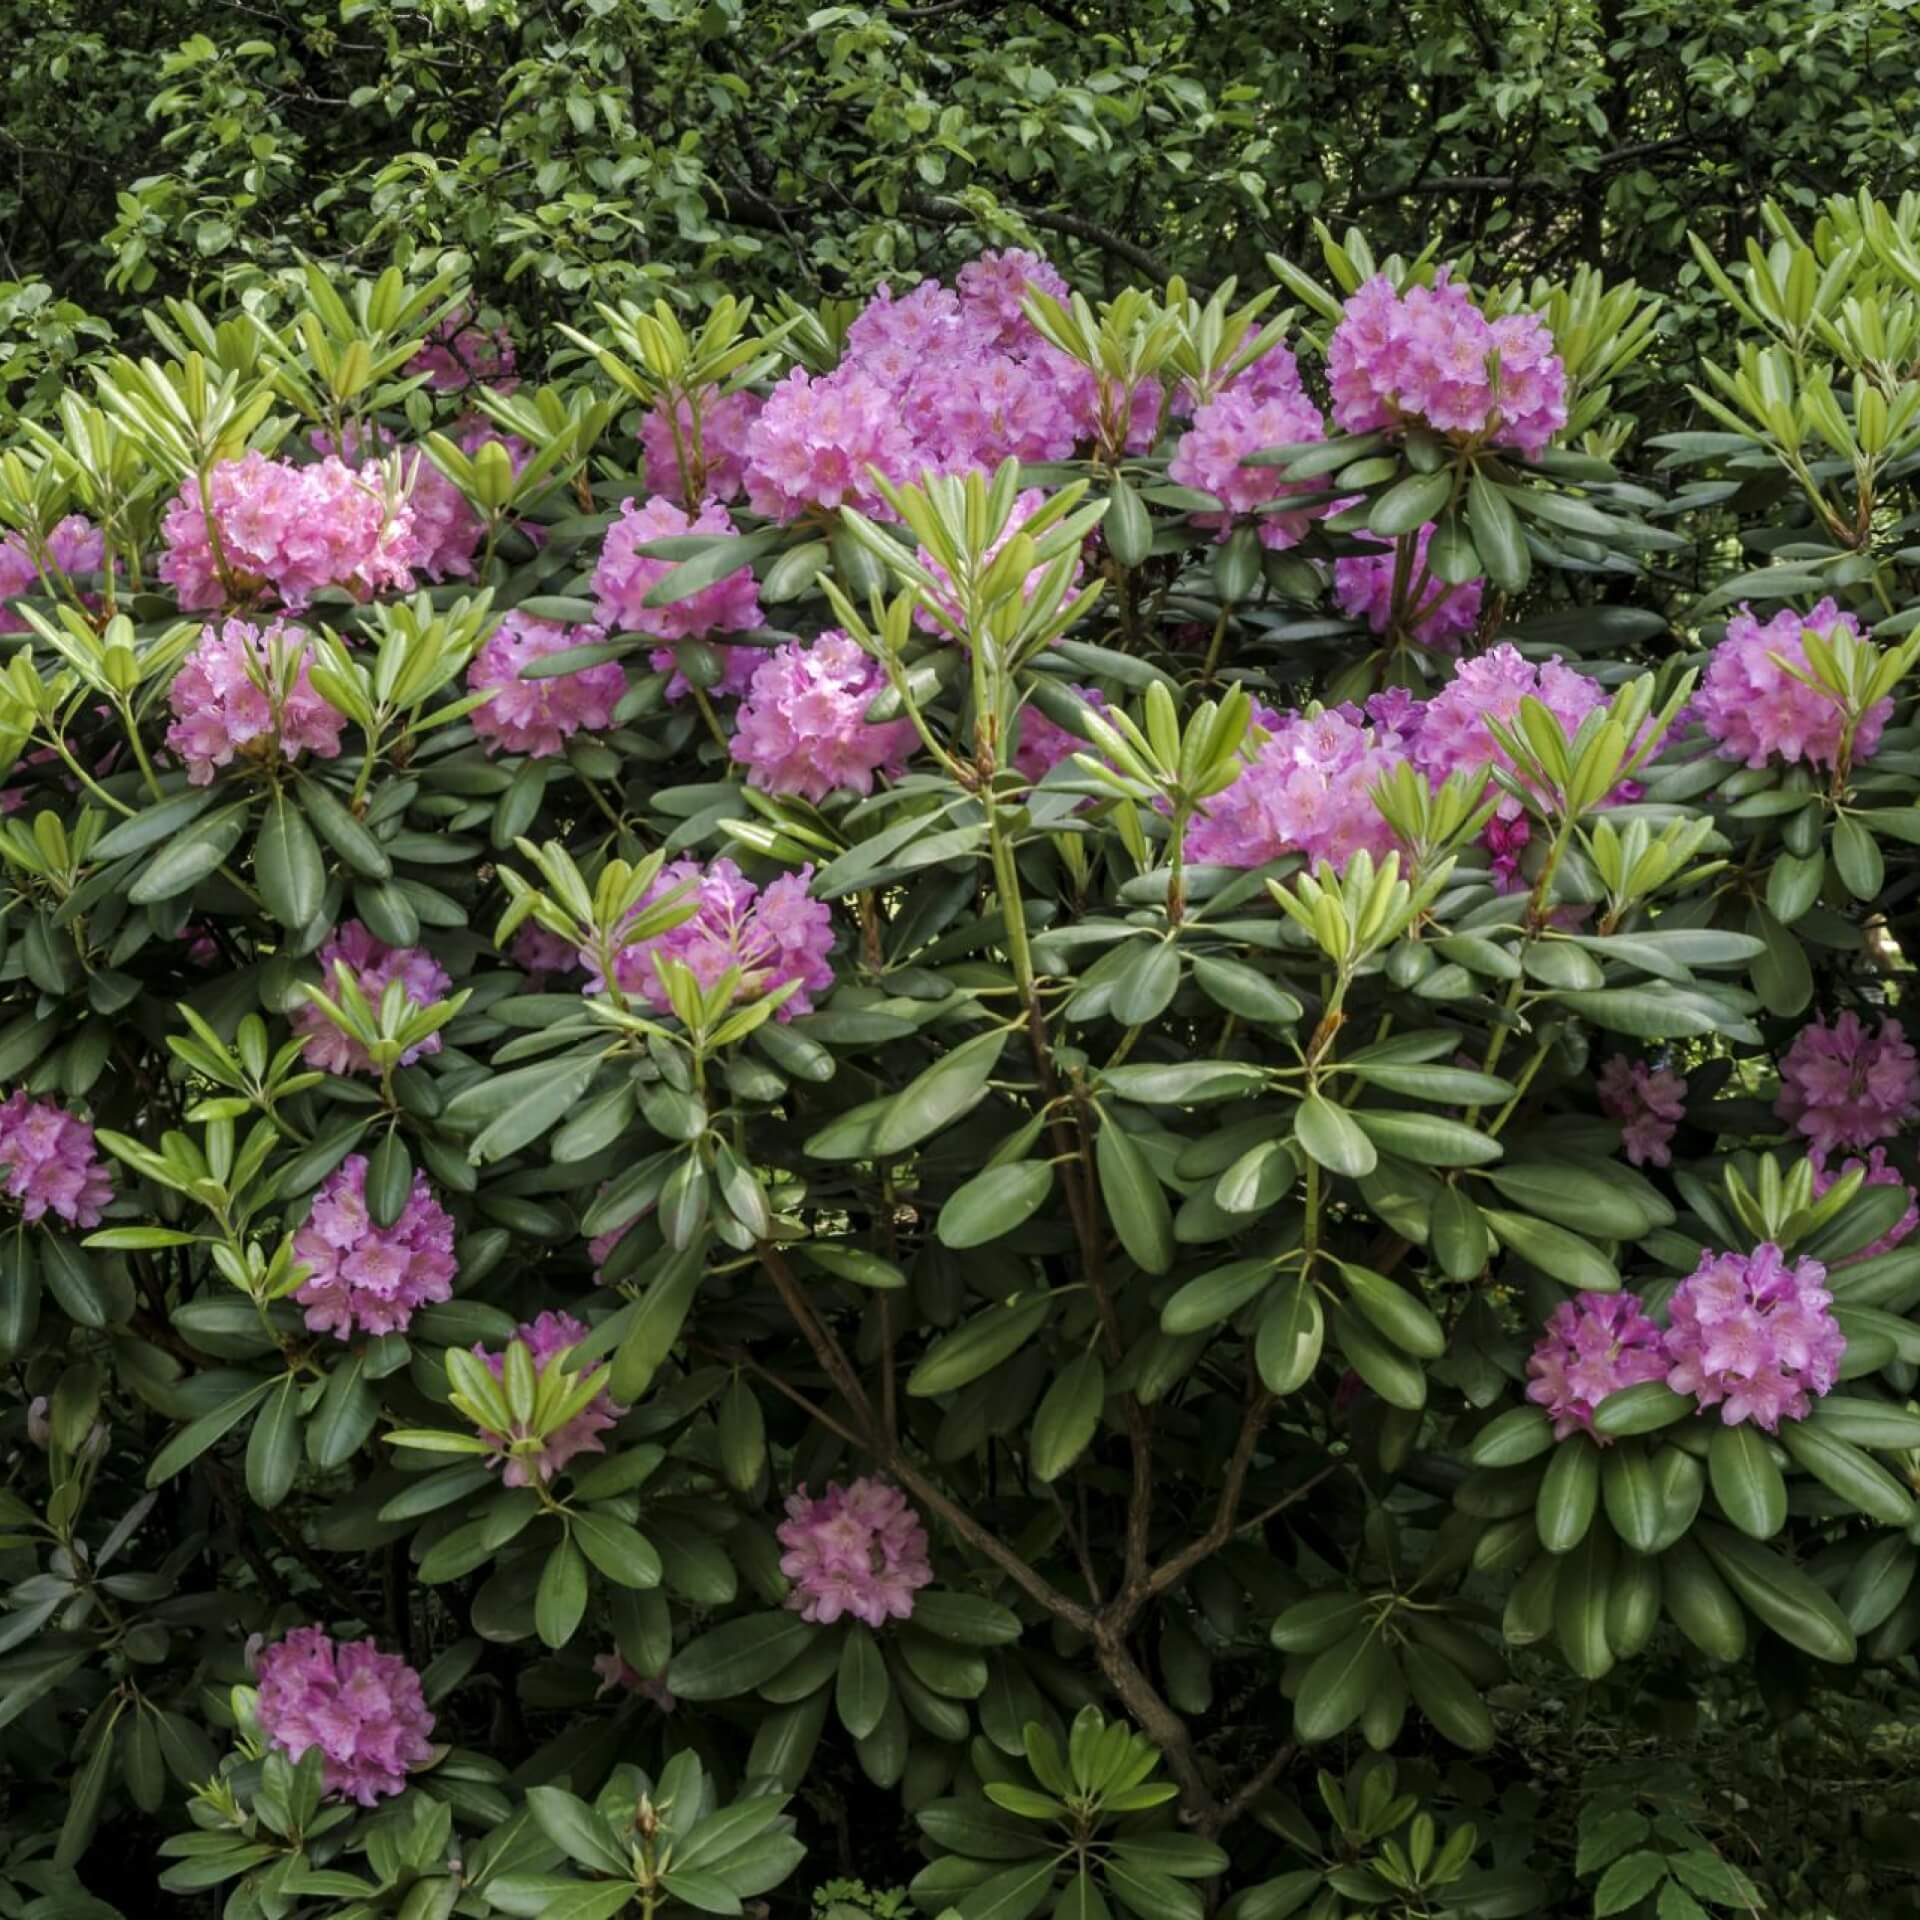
[[720, 471], [1430, 357], [1753, 1336], [858, 1549], [774, 934], [362, 1708], [802, 729], [460, 353], [1594, 1344], [1043, 744], [1843, 1086], [246, 691], [1752, 702], [546, 1339], [1879, 1172], [1211, 455], [1440, 616], [1649, 1102], [74, 548], [291, 529], [374, 966], [52, 1163], [366, 1278], [538, 717]]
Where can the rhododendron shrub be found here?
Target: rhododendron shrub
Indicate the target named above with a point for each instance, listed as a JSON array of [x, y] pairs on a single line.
[[997, 1075]]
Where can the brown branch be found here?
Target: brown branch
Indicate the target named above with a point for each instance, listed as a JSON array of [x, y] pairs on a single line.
[[1225, 1514], [1244, 1796]]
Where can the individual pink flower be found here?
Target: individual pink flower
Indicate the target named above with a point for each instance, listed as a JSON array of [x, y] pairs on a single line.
[[51, 1162], [290, 529], [538, 952], [538, 717], [1879, 1172], [374, 966], [547, 1339], [1452, 731], [816, 441], [1212, 453], [203, 949], [1044, 744], [246, 691], [719, 471], [1026, 504], [774, 935], [1431, 357], [460, 353], [600, 1251], [1594, 1344], [362, 1708], [1754, 1337], [1842, 1086], [1751, 702], [1505, 841], [74, 548], [367, 1278], [1441, 615], [1649, 1102], [858, 1549], [802, 729], [1307, 788], [617, 1677]]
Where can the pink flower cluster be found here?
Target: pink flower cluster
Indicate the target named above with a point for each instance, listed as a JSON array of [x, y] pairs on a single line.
[[1431, 356], [292, 529], [51, 1162], [1751, 702], [546, 1340], [446, 531], [1753, 1336], [617, 1677], [362, 1708], [538, 952], [802, 729], [1842, 1086], [1594, 1344], [774, 934], [246, 690], [74, 546], [539, 717], [623, 578], [1044, 744], [928, 618], [367, 1278], [721, 469], [1649, 1102], [459, 352], [858, 1549], [1880, 1172], [1307, 787], [1441, 615], [811, 448], [374, 966], [1225, 431]]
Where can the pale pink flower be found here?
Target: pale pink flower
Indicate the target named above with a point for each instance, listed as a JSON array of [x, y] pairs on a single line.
[[1879, 1172], [1751, 702], [367, 1278], [720, 472], [1213, 451], [538, 717], [1594, 1344], [362, 1708], [858, 1549], [1842, 1086], [246, 691], [373, 965], [1754, 1337], [802, 730], [1441, 616]]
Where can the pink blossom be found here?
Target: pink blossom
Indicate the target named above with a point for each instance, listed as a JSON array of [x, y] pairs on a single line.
[[992, 287], [1594, 1344], [1879, 1172], [1844, 1087], [858, 1549], [374, 966], [1044, 744], [1026, 504], [292, 529], [538, 717], [1650, 1102], [1751, 703], [721, 471], [459, 353], [536, 951], [1754, 1337], [802, 729], [1430, 356], [51, 1162], [246, 690], [547, 1340], [74, 548], [617, 1677], [1441, 615], [816, 440], [367, 1278], [362, 1708], [600, 1251], [1307, 787], [1212, 451], [774, 934], [1505, 841]]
